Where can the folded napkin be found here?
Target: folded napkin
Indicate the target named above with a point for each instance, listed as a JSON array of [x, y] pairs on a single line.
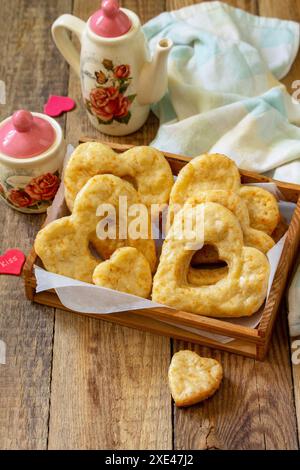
[[224, 94], [224, 90]]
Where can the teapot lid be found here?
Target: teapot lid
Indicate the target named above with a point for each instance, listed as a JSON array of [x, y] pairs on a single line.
[[110, 21], [25, 135]]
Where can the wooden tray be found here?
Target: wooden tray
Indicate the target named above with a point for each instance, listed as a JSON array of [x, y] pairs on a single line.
[[251, 342]]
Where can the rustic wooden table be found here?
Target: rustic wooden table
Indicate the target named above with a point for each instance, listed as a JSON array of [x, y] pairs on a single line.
[[71, 382]]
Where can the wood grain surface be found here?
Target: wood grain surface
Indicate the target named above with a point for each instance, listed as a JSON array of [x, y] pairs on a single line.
[[248, 426], [73, 382], [288, 9], [115, 393], [27, 330]]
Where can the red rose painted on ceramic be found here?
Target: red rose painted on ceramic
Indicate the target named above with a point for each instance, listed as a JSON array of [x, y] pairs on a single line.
[[122, 71], [109, 103], [123, 106], [104, 102], [43, 188], [2, 189], [20, 198]]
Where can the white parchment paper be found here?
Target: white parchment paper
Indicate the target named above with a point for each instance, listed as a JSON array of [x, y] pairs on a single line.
[[87, 298]]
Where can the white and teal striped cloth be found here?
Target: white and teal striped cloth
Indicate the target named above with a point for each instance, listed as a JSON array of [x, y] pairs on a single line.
[[224, 91]]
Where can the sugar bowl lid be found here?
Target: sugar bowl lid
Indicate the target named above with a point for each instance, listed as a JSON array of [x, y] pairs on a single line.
[[110, 21], [25, 135]]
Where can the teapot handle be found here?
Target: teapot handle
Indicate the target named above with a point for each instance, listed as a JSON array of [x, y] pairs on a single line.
[[60, 29]]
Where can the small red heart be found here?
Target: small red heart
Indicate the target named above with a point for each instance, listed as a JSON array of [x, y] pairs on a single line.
[[57, 105], [12, 262]]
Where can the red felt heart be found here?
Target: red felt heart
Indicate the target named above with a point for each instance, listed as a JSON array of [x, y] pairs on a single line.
[[57, 105], [12, 262]]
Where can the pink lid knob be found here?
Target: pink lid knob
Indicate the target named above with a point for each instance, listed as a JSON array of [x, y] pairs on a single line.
[[110, 8], [110, 21], [22, 120]]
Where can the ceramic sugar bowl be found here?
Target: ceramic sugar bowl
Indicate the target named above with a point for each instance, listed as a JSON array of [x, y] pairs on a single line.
[[119, 79], [31, 155]]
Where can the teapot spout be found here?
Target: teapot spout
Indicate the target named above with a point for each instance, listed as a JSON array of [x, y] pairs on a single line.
[[153, 81]]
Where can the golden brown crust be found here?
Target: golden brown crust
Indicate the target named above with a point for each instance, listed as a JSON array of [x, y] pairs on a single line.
[[63, 245], [206, 277], [64, 252], [217, 172], [240, 293], [231, 200], [126, 271], [144, 167], [263, 208], [193, 378], [205, 173]]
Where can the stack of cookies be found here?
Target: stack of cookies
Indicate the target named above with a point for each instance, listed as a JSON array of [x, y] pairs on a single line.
[[220, 269], [96, 180], [237, 222]]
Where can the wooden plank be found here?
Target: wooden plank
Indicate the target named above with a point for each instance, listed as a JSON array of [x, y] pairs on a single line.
[[295, 354], [249, 5], [288, 9], [295, 343], [109, 385], [245, 395], [30, 67], [253, 408], [144, 323], [230, 419], [276, 403]]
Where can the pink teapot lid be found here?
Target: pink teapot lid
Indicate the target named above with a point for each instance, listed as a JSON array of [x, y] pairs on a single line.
[[25, 135], [110, 21]]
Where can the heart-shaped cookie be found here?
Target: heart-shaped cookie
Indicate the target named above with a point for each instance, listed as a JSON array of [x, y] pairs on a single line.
[[240, 293], [12, 262], [56, 105], [215, 171], [126, 271], [145, 168], [63, 245], [193, 378]]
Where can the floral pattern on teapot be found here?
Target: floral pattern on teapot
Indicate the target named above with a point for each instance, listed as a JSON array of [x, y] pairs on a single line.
[[107, 100], [29, 194]]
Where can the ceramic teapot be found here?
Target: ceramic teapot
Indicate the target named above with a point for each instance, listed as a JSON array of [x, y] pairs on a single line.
[[119, 80]]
